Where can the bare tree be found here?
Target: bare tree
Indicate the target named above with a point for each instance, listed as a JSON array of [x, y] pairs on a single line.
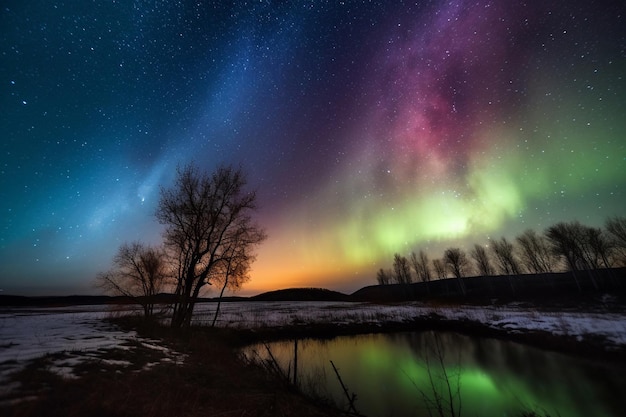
[[233, 270], [536, 254], [564, 241], [419, 262], [384, 277], [440, 268], [597, 247], [457, 263], [506, 260], [206, 216], [139, 272], [505, 257], [422, 270], [401, 269], [582, 247], [616, 229], [483, 264]]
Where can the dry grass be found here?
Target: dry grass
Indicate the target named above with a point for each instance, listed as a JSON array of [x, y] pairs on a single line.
[[213, 381]]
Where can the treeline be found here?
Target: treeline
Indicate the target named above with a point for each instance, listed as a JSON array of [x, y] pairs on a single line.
[[565, 246]]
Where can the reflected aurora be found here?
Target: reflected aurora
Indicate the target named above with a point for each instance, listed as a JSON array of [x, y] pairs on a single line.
[[390, 375]]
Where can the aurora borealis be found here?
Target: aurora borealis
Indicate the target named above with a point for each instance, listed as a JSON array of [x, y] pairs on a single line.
[[368, 128], [496, 377]]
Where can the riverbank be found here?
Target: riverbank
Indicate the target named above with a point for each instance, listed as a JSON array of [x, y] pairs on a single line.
[[210, 379], [583, 346], [151, 370], [595, 328]]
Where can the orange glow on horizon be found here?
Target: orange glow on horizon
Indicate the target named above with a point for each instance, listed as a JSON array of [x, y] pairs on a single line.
[[293, 257]]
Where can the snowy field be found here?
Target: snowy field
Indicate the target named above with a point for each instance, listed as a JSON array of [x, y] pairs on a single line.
[[79, 333], [75, 335], [611, 326]]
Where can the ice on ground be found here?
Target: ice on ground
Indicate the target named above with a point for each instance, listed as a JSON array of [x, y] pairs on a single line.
[[81, 333], [72, 335], [515, 318], [154, 347], [28, 334]]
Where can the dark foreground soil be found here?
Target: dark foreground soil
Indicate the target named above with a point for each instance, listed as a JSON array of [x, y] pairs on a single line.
[[212, 381]]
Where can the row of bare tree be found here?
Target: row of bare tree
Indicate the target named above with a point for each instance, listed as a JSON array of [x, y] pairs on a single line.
[[209, 238], [563, 246]]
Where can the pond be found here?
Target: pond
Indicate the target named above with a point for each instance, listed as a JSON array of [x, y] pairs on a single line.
[[417, 374]]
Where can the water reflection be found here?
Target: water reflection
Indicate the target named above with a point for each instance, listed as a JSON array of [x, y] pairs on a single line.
[[394, 375]]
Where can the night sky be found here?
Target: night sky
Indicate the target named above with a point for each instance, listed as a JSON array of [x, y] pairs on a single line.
[[367, 128]]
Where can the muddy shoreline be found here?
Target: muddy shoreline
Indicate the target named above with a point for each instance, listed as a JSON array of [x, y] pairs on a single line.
[[587, 347]]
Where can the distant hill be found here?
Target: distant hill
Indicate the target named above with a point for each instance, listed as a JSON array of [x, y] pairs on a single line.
[[536, 287], [302, 294], [72, 300], [48, 301], [293, 294]]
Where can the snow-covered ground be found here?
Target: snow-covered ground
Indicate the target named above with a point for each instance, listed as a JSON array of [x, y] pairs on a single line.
[[33, 332], [79, 332], [611, 326], [28, 333]]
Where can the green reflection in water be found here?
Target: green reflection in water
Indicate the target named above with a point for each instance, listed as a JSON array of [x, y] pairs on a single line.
[[394, 374]]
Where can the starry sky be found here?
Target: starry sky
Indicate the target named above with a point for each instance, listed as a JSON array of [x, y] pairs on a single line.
[[368, 128]]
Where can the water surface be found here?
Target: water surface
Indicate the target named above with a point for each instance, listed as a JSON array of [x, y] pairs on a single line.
[[394, 375]]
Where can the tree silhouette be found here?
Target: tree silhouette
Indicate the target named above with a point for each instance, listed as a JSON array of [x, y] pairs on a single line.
[[421, 268], [419, 262], [536, 254], [401, 269], [383, 277], [139, 272], [207, 219], [439, 268], [506, 260], [456, 261], [575, 243], [571, 241], [564, 240], [505, 257], [565, 245], [233, 269], [483, 264], [616, 229], [597, 247]]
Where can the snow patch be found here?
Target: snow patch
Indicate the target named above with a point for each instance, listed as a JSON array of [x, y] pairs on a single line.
[[69, 335]]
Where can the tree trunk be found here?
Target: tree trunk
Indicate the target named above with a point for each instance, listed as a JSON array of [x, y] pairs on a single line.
[[184, 308], [189, 313], [180, 311], [219, 302]]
